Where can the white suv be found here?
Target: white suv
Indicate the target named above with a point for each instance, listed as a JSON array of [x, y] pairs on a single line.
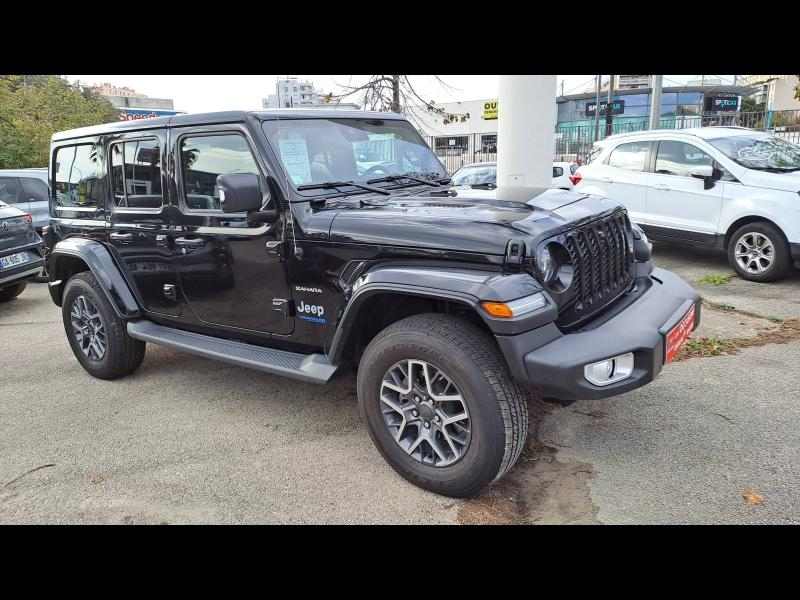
[[730, 188]]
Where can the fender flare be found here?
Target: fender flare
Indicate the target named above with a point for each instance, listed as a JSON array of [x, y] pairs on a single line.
[[468, 286], [101, 264]]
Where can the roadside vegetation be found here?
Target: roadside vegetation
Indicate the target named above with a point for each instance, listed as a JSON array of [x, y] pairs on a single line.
[[714, 279]]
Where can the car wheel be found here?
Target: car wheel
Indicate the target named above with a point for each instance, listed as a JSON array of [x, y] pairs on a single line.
[[440, 404], [98, 337], [12, 291], [758, 252]]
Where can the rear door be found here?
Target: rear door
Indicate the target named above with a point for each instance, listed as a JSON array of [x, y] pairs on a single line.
[[139, 217], [677, 203], [623, 177], [230, 271]]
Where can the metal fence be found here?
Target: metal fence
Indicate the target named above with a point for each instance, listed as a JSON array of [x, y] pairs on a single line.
[[574, 141]]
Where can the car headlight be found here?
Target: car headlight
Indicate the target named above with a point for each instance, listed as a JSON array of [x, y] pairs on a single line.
[[555, 266], [545, 263]]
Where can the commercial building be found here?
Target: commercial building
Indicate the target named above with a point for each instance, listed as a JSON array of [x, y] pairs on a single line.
[[132, 105], [776, 92], [293, 93]]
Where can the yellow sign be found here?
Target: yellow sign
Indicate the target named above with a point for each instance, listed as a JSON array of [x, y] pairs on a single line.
[[490, 109]]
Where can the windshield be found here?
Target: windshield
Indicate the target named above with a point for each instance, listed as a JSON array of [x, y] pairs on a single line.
[[315, 151], [762, 152], [475, 175]]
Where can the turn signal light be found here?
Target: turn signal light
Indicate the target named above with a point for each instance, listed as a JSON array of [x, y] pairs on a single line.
[[498, 309]]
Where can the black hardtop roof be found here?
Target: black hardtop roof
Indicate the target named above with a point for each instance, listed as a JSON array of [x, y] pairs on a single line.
[[231, 116]]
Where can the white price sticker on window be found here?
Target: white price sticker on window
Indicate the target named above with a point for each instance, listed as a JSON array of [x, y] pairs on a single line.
[[294, 155]]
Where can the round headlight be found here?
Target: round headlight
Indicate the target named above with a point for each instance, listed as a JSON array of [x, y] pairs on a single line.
[[545, 263], [555, 266]]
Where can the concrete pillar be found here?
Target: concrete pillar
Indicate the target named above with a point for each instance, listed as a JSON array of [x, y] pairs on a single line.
[[525, 130]]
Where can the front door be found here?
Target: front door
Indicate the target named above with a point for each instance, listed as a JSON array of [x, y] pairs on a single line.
[[230, 271], [677, 203], [138, 218]]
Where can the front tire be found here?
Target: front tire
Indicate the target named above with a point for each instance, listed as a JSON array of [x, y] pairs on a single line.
[[98, 337], [12, 291], [758, 252], [441, 405]]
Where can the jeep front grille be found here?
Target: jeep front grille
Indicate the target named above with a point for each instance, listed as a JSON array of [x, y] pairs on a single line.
[[602, 260]]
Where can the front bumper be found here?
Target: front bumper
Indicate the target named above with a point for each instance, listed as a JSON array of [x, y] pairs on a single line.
[[553, 362]]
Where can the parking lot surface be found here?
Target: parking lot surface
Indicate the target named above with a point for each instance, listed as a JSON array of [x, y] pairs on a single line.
[[188, 440]]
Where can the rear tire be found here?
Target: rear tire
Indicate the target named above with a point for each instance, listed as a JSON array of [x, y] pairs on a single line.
[[98, 337], [759, 252], [12, 291], [463, 362]]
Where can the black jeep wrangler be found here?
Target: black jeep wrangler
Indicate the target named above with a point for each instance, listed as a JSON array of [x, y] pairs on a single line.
[[299, 242]]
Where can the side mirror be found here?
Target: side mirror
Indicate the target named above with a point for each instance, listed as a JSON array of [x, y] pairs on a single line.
[[701, 172], [240, 193], [707, 173]]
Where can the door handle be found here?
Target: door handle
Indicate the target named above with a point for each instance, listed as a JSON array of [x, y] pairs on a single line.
[[125, 238], [190, 242], [660, 186], [606, 180]]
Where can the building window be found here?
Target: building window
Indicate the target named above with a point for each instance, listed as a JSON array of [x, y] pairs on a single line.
[[489, 143]]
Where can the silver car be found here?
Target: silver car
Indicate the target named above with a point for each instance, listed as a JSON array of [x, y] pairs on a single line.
[[27, 190]]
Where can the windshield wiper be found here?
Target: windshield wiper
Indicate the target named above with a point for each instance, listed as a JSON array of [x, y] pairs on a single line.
[[776, 169], [437, 183], [337, 184]]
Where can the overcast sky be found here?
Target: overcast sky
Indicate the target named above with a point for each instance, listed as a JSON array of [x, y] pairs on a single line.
[[205, 93]]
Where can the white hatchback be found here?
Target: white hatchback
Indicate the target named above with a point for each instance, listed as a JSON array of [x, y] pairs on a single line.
[[729, 188]]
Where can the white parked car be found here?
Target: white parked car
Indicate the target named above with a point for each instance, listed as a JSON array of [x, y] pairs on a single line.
[[485, 174], [729, 188]]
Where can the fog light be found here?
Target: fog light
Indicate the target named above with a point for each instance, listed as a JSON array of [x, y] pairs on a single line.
[[610, 370]]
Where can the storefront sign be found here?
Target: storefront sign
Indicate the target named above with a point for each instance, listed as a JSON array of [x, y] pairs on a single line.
[[490, 109], [133, 114], [721, 103], [617, 108]]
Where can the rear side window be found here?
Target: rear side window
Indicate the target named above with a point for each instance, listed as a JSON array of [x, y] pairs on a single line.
[[573, 167], [596, 151], [631, 156], [558, 171], [76, 182], [136, 174], [203, 158], [9, 190], [35, 190]]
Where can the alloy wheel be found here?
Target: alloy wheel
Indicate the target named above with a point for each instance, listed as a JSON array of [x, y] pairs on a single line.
[[88, 328], [754, 252], [425, 413]]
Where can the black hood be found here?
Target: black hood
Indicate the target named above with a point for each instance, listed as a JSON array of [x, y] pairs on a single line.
[[479, 221]]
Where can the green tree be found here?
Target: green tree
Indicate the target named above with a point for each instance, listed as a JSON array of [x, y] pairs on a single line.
[[33, 107], [749, 105]]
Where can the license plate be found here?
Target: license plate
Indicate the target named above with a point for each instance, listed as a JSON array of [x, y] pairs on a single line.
[[678, 334], [13, 260]]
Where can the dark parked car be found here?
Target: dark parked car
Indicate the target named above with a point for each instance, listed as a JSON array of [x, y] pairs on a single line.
[[21, 257], [300, 261]]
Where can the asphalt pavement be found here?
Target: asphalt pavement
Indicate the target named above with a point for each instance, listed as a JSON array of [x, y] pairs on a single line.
[[189, 440]]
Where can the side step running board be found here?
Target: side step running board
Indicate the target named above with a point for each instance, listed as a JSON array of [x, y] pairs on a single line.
[[313, 368]]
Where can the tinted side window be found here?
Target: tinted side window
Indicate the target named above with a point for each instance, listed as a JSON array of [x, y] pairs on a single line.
[[558, 171], [136, 174], [36, 190], [203, 158], [679, 158], [631, 156], [9, 190], [77, 184]]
